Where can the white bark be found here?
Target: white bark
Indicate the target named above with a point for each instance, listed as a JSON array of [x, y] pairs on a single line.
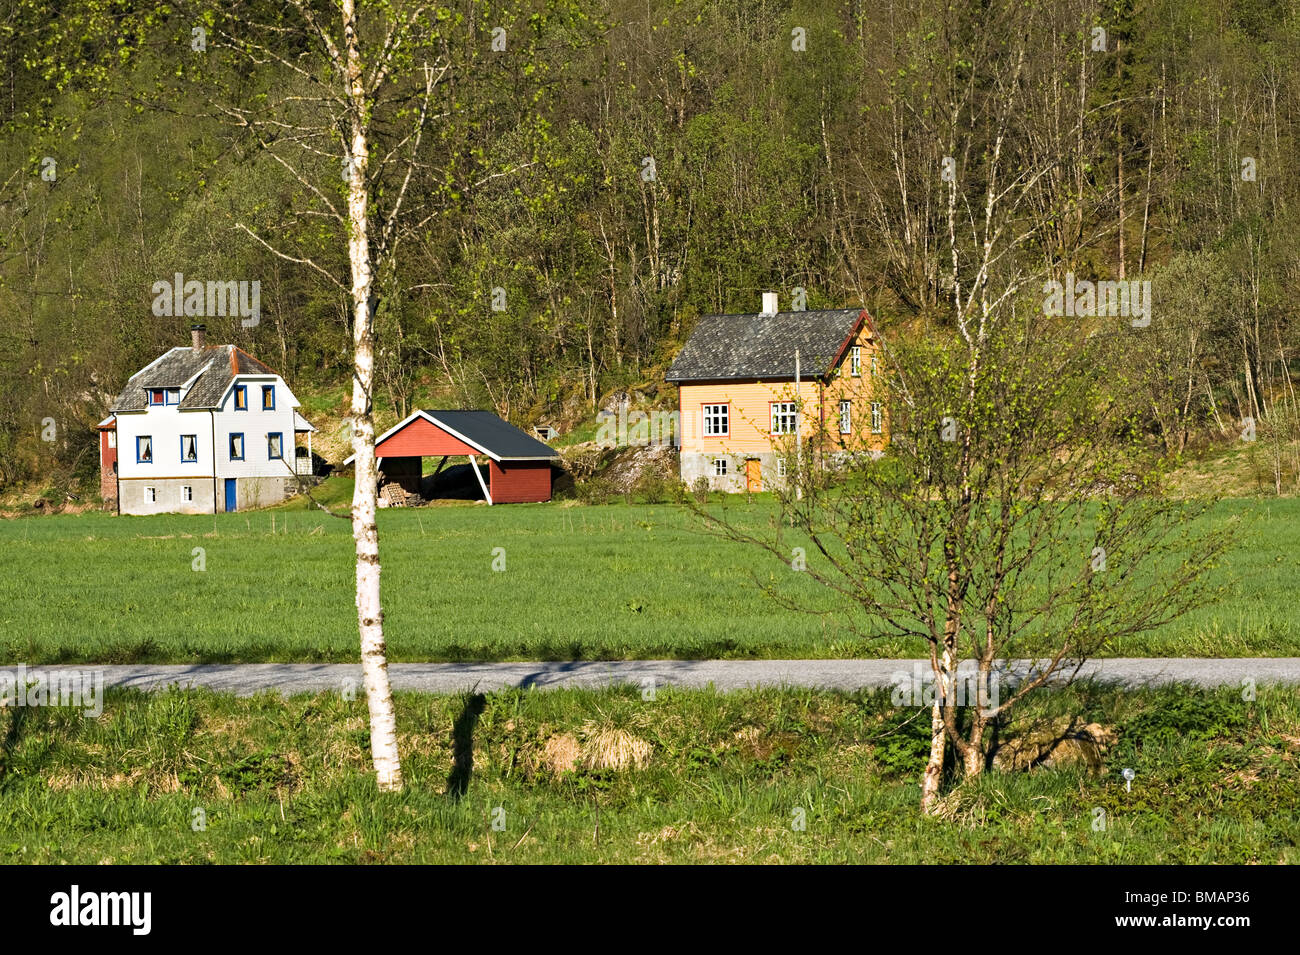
[[365, 531]]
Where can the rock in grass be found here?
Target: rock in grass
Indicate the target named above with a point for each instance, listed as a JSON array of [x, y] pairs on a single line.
[[1064, 743]]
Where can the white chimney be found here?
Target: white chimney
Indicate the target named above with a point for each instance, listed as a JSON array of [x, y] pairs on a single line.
[[769, 303]]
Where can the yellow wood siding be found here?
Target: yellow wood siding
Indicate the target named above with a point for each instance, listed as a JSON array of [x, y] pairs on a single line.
[[750, 408]]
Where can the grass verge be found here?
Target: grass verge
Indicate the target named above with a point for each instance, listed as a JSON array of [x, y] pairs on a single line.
[[572, 776]]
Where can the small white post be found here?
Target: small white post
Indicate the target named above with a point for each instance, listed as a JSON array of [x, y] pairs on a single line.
[[474, 467]]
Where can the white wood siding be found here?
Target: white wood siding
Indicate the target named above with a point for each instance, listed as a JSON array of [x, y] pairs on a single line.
[[166, 423]]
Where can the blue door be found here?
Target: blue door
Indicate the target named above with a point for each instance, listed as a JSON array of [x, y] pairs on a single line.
[[230, 494]]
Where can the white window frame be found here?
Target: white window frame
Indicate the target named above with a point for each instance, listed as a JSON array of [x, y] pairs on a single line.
[[846, 416], [150, 495], [717, 420], [855, 361], [785, 417], [780, 467], [877, 418], [875, 366], [187, 493], [112, 439], [719, 467]]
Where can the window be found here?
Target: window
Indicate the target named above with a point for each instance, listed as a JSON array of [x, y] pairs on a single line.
[[780, 467], [875, 366], [241, 397], [268, 397], [189, 447], [173, 396], [112, 439], [150, 495], [720, 467], [855, 361], [236, 446], [157, 396], [877, 418], [274, 445], [716, 420], [144, 449], [784, 417], [187, 493], [846, 417]]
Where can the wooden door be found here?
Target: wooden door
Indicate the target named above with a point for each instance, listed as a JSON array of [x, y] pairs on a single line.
[[753, 475]]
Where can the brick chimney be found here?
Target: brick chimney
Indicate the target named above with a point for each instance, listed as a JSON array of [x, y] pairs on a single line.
[[196, 336], [769, 303]]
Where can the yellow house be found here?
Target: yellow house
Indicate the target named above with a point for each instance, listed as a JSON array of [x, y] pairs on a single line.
[[747, 382]]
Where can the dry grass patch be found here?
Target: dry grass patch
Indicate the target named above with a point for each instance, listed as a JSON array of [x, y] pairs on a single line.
[[605, 747], [560, 754]]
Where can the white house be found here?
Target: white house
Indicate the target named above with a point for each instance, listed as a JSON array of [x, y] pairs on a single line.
[[203, 429]]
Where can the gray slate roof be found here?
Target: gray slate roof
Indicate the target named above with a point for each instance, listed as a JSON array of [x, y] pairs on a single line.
[[763, 346], [498, 438], [219, 364]]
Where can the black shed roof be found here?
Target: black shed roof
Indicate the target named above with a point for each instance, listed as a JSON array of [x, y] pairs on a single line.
[[763, 346], [499, 439]]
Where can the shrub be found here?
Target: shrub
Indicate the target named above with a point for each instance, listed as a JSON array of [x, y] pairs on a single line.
[[654, 488], [1184, 712]]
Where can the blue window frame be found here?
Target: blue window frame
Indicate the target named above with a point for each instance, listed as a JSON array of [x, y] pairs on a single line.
[[275, 446], [157, 396], [189, 448], [241, 397], [268, 397], [236, 445], [144, 449], [173, 396]]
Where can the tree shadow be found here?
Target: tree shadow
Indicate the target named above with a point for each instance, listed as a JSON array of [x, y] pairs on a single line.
[[13, 736], [462, 736]]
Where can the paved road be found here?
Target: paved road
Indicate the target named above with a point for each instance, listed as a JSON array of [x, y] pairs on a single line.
[[288, 678]]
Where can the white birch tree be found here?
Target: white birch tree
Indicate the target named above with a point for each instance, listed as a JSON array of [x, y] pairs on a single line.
[[366, 83]]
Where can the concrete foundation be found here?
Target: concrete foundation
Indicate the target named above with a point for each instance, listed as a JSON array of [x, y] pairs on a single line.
[[168, 496], [695, 465], [253, 492]]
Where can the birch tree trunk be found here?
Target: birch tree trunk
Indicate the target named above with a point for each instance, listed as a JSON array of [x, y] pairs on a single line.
[[934, 765], [365, 531]]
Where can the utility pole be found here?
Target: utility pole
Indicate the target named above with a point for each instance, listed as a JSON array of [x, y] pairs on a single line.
[[798, 432]]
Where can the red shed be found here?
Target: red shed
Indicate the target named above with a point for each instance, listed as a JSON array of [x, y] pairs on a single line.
[[108, 458], [519, 466]]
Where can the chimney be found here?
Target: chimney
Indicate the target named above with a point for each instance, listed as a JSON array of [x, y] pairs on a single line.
[[769, 303], [196, 336]]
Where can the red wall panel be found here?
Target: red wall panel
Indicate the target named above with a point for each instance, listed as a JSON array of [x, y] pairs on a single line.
[[518, 482], [107, 470], [420, 437]]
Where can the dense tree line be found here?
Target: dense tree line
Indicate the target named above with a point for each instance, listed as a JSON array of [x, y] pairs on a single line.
[[618, 168]]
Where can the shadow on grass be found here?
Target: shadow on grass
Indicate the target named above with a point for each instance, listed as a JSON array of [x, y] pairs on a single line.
[[462, 735], [13, 737]]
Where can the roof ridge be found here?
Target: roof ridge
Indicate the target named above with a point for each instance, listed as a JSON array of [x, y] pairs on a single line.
[[252, 358]]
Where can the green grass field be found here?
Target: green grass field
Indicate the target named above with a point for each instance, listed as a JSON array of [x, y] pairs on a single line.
[[195, 777], [580, 582]]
